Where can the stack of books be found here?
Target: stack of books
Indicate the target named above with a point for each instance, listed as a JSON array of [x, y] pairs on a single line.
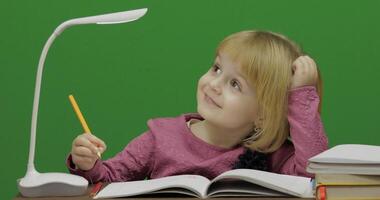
[[348, 171]]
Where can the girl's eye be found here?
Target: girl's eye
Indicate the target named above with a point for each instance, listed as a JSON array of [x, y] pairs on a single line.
[[216, 69], [236, 85]]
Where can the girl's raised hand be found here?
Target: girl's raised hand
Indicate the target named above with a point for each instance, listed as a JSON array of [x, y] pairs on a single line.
[[85, 150], [305, 72]]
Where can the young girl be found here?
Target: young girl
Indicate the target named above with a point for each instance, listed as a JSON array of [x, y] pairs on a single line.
[[258, 107]]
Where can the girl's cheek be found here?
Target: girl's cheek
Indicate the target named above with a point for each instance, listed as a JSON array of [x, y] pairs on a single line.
[[202, 81]]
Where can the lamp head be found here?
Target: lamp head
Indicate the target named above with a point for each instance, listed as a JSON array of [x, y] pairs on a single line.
[[112, 18]]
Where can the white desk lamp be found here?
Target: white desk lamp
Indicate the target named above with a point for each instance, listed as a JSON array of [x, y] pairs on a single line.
[[35, 184]]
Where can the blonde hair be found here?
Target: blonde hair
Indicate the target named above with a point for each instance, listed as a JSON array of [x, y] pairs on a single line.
[[266, 60]]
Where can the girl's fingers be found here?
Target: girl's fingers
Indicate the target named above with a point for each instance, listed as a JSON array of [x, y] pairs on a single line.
[[310, 63], [83, 140], [81, 159], [304, 72], [83, 152], [296, 64], [96, 140], [102, 149], [304, 62], [306, 65], [313, 67]]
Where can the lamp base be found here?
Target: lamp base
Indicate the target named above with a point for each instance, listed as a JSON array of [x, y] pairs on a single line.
[[52, 184]]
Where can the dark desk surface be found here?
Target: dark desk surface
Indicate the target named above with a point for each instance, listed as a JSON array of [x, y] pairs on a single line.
[[155, 197]]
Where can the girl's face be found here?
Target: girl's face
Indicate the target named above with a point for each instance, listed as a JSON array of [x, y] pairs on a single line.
[[225, 98]]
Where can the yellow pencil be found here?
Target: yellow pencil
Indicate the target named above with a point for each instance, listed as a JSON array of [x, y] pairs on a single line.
[[80, 116]]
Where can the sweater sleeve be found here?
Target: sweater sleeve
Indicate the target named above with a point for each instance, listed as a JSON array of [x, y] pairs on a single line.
[[133, 163], [306, 132]]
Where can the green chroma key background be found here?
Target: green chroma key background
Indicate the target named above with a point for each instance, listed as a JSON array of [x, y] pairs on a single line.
[[122, 75]]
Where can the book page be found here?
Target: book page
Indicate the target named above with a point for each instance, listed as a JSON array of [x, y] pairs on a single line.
[[231, 187], [348, 179], [183, 184], [350, 153], [336, 168], [291, 185]]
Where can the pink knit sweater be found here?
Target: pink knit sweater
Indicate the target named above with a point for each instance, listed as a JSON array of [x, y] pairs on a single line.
[[170, 148]]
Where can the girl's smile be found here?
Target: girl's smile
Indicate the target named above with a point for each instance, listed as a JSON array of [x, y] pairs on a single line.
[[211, 101]]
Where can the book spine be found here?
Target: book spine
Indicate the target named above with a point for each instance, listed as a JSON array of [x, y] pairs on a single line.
[[347, 184], [321, 192]]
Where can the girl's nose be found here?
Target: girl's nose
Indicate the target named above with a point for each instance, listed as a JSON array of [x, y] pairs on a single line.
[[215, 85]]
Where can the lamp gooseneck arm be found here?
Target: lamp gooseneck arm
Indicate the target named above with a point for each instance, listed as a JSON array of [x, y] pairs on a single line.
[[119, 17], [32, 147]]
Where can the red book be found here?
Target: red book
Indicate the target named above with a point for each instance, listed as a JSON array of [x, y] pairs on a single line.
[[321, 192]]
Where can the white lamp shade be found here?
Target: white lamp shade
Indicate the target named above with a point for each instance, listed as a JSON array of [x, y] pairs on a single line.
[[112, 18]]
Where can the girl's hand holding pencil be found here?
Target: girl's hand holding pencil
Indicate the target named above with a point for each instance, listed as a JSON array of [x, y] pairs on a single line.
[[86, 148]]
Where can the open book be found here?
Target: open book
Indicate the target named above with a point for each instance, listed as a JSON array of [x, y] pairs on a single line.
[[238, 182], [347, 159]]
